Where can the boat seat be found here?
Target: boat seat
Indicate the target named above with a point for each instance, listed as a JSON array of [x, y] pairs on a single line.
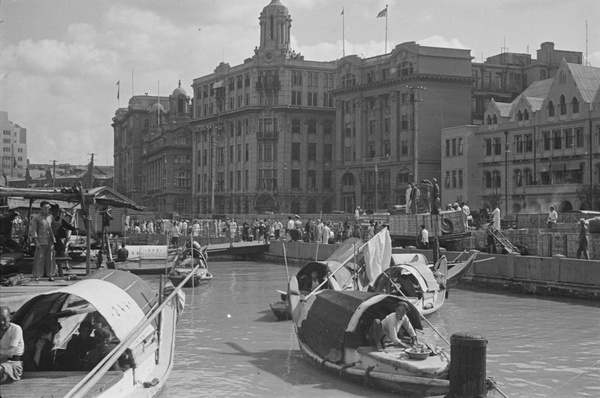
[[433, 366]]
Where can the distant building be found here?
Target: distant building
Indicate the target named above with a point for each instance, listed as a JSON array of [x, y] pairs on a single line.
[[505, 76], [543, 148], [390, 110], [40, 175], [264, 136], [14, 149]]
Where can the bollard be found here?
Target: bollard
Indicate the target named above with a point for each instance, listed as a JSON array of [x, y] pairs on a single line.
[[467, 367]]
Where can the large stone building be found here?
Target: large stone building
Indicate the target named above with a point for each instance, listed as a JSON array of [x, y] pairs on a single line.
[[152, 151], [540, 150], [264, 136], [390, 111], [14, 149]]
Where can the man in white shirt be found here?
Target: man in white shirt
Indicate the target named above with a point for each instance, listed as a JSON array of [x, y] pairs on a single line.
[[496, 218], [387, 331], [467, 212], [552, 218], [423, 239], [12, 347]]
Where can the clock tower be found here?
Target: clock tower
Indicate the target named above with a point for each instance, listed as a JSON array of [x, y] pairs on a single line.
[[275, 26]]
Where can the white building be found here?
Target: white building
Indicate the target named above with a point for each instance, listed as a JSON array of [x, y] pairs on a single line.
[[14, 149]]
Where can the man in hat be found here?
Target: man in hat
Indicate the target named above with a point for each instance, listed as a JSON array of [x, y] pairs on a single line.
[[78, 347], [583, 240], [357, 213]]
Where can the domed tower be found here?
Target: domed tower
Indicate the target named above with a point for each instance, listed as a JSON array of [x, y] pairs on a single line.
[[180, 102], [275, 26]]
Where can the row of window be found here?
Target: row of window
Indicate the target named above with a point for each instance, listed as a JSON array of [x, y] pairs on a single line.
[[454, 147], [454, 179], [403, 69], [267, 179]]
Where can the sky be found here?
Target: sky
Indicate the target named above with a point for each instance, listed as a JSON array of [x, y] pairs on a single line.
[[60, 60]]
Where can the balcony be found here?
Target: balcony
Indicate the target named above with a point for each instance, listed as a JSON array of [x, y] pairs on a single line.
[[268, 84], [267, 135]]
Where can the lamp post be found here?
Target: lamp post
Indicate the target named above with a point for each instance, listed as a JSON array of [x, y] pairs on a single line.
[[376, 181], [415, 127], [506, 151]]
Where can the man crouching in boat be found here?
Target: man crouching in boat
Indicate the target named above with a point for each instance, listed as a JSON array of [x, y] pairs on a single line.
[[387, 331], [12, 346]]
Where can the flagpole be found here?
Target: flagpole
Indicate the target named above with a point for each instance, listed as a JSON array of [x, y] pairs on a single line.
[[118, 94], [386, 20], [343, 33], [132, 82]]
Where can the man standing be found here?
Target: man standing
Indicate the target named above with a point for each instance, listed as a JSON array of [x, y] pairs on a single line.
[[12, 347], [423, 238], [552, 219], [277, 229], [583, 241], [42, 236], [357, 213], [408, 196], [435, 191], [6, 229], [467, 212], [496, 218], [426, 195], [415, 196]]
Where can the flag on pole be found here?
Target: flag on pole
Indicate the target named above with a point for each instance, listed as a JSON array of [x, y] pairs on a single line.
[[118, 89], [382, 13], [342, 11]]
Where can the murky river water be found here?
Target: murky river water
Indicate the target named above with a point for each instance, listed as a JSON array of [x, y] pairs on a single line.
[[229, 343]]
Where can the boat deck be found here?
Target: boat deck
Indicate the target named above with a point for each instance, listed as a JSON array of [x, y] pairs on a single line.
[[56, 384]]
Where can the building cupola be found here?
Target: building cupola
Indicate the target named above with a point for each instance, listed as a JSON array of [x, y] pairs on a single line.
[[275, 26]]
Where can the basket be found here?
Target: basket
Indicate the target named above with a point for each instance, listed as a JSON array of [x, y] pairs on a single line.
[[416, 354]]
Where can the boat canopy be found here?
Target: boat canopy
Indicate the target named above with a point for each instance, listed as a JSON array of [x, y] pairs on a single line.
[[341, 319], [120, 297], [421, 272], [410, 258], [342, 278]]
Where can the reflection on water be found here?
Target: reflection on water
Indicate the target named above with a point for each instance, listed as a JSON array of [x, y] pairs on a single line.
[[230, 344]]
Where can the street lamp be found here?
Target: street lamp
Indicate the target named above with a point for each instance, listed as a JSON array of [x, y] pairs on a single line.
[[415, 127]]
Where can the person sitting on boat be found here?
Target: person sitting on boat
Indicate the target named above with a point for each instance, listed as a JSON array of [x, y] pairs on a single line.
[[12, 347], [104, 344], [38, 355], [78, 347], [394, 325], [122, 253]]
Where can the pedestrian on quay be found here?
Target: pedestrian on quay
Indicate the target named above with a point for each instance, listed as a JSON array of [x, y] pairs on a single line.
[[426, 195], [277, 226], [467, 212], [415, 198], [583, 240], [408, 195], [435, 191], [43, 238], [496, 218], [491, 240], [552, 219], [423, 238]]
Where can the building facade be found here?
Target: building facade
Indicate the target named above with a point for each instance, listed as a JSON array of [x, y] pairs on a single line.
[[14, 149], [390, 110], [263, 130], [543, 148], [505, 76]]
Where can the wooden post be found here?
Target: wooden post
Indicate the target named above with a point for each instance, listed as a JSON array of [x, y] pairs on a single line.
[[467, 368]]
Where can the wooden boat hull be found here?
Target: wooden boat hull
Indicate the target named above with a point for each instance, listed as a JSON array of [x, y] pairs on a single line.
[[459, 270], [403, 385], [194, 281]]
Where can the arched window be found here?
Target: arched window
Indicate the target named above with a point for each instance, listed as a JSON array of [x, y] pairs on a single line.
[[489, 120], [519, 116], [562, 78], [516, 208], [348, 80], [403, 178], [518, 178], [348, 180], [295, 206], [575, 105], [525, 115], [528, 177], [550, 109], [181, 205], [494, 119], [562, 105]]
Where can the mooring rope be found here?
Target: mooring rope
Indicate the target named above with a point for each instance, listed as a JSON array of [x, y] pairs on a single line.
[[568, 381]]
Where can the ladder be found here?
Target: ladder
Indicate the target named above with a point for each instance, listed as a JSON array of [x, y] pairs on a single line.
[[500, 238]]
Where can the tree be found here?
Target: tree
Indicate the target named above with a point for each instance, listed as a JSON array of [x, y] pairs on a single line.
[[589, 196]]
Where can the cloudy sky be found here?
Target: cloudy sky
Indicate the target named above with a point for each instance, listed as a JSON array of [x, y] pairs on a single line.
[[60, 60]]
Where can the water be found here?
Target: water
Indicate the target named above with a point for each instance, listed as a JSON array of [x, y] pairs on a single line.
[[229, 343]]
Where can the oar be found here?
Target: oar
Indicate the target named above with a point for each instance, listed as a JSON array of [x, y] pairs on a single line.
[[422, 316], [287, 272], [330, 275]]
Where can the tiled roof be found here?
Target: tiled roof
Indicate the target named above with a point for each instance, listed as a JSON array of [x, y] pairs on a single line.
[[536, 103], [504, 108], [587, 79]]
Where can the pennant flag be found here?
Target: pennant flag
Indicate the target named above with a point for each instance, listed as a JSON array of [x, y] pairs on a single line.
[[342, 12], [218, 84], [118, 89], [382, 13]]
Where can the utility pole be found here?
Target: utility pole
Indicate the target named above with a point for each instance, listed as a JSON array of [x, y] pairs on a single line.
[[91, 171], [54, 173]]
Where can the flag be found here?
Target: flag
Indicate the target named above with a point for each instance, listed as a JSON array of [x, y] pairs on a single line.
[[342, 12], [118, 89], [382, 13], [378, 254]]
